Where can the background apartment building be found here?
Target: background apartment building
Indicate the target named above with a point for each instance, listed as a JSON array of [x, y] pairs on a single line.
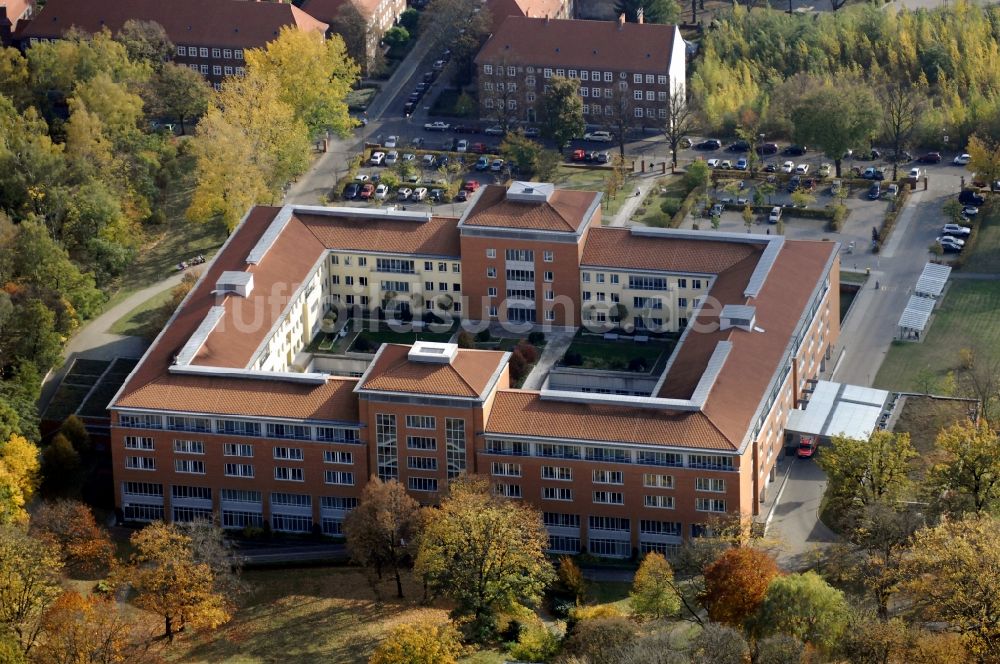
[[621, 67], [210, 36], [376, 15], [216, 419]]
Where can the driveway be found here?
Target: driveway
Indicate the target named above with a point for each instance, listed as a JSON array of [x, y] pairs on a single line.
[[796, 523]]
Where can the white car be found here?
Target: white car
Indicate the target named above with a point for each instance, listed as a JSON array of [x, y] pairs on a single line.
[[956, 230], [361, 177], [391, 158], [970, 210], [915, 173], [775, 215], [962, 160], [599, 136], [381, 191], [949, 243], [419, 194], [726, 164], [713, 163], [802, 169], [824, 170], [788, 167], [437, 126], [404, 193], [409, 156], [391, 141], [377, 158], [462, 146]]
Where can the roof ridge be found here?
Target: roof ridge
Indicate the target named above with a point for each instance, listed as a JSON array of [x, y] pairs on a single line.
[[459, 373], [566, 221], [715, 426]]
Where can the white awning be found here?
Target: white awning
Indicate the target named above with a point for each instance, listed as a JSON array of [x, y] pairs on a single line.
[[917, 313], [835, 409], [932, 280]]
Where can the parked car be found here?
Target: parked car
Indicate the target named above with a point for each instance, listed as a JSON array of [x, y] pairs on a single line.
[[892, 191], [437, 126], [495, 130], [956, 230], [738, 146], [717, 210], [767, 149], [869, 173], [391, 141], [403, 193], [599, 136], [409, 107], [352, 190], [916, 173], [462, 196], [362, 177], [471, 185], [901, 157], [430, 76], [950, 244], [775, 215], [824, 171], [802, 169], [807, 446], [578, 155], [771, 167], [532, 132], [794, 182], [462, 145], [741, 164], [713, 163], [930, 158], [796, 150], [971, 197], [970, 210], [381, 191], [465, 129], [962, 159], [409, 156], [482, 163], [367, 190], [875, 191], [377, 158], [835, 187], [428, 161], [728, 165], [497, 165], [438, 65], [788, 167], [436, 195], [709, 144], [419, 194], [479, 148]]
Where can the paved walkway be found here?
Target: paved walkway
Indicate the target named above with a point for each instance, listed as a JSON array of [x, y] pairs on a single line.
[[557, 341], [644, 182]]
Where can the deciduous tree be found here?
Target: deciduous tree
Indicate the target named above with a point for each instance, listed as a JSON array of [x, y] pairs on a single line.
[[180, 93], [952, 576], [681, 121], [145, 41], [985, 153], [18, 478], [654, 595], [383, 530], [835, 118], [484, 552], [570, 579], [85, 546], [29, 583], [901, 109], [965, 472], [562, 110], [736, 583], [621, 121], [92, 630], [653, 11], [426, 642], [600, 640], [719, 644], [804, 606]]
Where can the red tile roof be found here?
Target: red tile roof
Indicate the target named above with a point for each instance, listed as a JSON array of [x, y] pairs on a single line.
[[467, 375], [437, 237], [501, 9], [329, 10], [619, 248], [222, 23], [565, 211], [570, 43], [15, 9]]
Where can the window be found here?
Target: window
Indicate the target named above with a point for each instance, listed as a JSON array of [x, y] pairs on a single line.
[[338, 435], [608, 77], [420, 422], [203, 52], [557, 520], [216, 52], [338, 477], [422, 484], [487, 69], [454, 433], [140, 422], [289, 453], [638, 112], [333, 456], [489, 103], [241, 71], [696, 283], [339, 503], [550, 315], [710, 505], [608, 477], [143, 512], [586, 109], [227, 54], [610, 548], [637, 94], [293, 431], [238, 53], [525, 255], [650, 95], [237, 449], [428, 266], [549, 295], [520, 275], [241, 496], [668, 528], [494, 311], [636, 78], [241, 519], [710, 484], [556, 493], [217, 70], [139, 443], [587, 295], [428, 285], [547, 277], [228, 70], [397, 286], [562, 544], [506, 469], [196, 466], [491, 253], [385, 441], [612, 454], [511, 71], [658, 481], [638, 282], [507, 490], [660, 502], [661, 79], [609, 523], [560, 72], [191, 492], [291, 523], [560, 473], [140, 463], [585, 92], [239, 470], [491, 291], [394, 265], [182, 50], [288, 474], [142, 489], [421, 463], [609, 497], [710, 462]]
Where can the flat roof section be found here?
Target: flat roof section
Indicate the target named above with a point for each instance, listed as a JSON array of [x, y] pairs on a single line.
[[532, 206], [836, 409], [918, 311], [467, 375], [932, 280]]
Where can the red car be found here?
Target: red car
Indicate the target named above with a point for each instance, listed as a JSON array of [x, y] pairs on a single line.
[[930, 158], [367, 190], [471, 185], [478, 148], [578, 155], [807, 446]]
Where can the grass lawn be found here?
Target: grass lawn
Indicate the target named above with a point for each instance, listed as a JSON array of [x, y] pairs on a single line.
[[609, 592], [923, 417], [139, 321], [592, 179], [985, 256], [445, 105], [968, 317], [615, 355], [385, 335], [304, 616], [649, 213], [358, 100]]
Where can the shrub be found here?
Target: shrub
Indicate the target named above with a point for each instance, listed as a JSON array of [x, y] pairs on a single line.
[[573, 359], [536, 337], [600, 641], [362, 345], [465, 340], [670, 206], [535, 644], [483, 335], [425, 642], [527, 351]]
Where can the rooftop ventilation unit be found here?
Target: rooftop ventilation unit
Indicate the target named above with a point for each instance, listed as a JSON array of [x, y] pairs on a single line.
[[234, 281], [432, 353], [738, 315], [530, 192]]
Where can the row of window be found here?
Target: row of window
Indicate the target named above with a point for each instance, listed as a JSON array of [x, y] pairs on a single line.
[[582, 74], [202, 52], [565, 474], [197, 447], [510, 490], [640, 282], [242, 428], [362, 261], [249, 496], [504, 447], [197, 467]]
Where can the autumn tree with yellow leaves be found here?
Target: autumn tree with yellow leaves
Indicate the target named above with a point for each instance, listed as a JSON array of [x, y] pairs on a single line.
[[424, 642], [29, 582], [18, 478]]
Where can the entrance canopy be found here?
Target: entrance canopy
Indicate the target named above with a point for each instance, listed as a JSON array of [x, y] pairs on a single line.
[[917, 313], [835, 409], [932, 280]]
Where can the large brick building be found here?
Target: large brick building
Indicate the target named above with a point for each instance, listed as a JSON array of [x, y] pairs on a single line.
[[13, 14], [621, 67], [210, 36], [234, 411], [378, 16]]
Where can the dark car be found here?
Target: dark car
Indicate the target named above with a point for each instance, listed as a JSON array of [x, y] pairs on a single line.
[[710, 144], [738, 146], [462, 196], [430, 76], [971, 197], [930, 158], [767, 149], [794, 182], [796, 150], [901, 157], [465, 129], [352, 190], [409, 107], [771, 168], [875, 191]]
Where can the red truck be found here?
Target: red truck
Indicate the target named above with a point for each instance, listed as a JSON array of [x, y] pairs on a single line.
[[807, 446]]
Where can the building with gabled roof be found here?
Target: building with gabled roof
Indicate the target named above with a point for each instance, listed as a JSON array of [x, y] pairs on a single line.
[[377, 15], [238, 411]]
